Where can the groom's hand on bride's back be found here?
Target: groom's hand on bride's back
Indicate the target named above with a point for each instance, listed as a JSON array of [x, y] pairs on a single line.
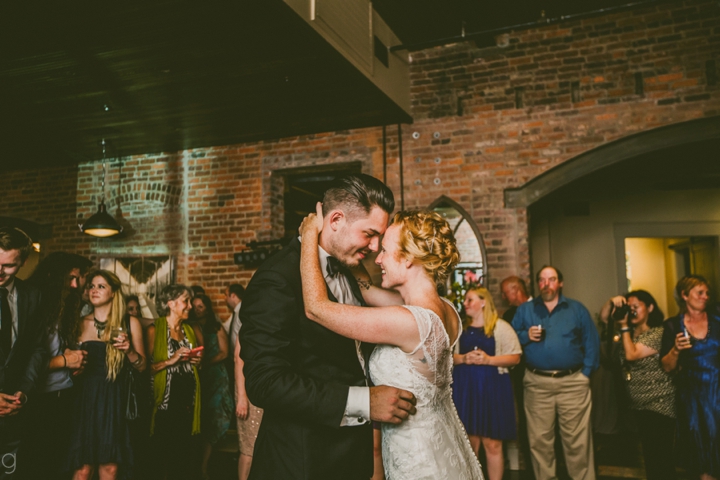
[[390, 404]]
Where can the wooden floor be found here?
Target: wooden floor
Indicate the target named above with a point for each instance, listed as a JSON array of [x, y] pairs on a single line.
[[618, 457]]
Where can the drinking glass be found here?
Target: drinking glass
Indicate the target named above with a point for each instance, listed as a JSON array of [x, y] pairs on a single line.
[[116, 333], [542, 332]]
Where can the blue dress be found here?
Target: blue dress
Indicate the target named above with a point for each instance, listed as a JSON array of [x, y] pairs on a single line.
[[218, 408], [698, 398], [483, 397]]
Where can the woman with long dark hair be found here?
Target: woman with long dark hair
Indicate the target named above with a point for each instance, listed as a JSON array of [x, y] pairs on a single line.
[[100, 437], [60, 279], [217, 401], [649, 387], [690, 351]]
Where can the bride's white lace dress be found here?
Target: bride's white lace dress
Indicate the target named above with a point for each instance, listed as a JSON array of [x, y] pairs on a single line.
[[432, 444]]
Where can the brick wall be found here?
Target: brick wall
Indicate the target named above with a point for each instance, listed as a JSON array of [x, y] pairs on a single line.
[[577, 82]]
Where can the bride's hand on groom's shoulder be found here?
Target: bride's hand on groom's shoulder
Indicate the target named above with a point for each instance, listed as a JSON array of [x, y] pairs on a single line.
[[313, 223], [390, 404]]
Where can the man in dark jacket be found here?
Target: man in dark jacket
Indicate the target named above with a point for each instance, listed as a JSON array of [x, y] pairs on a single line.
[[22, 357], [311, 382]]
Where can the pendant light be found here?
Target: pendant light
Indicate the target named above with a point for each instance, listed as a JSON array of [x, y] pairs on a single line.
[[102, 224]]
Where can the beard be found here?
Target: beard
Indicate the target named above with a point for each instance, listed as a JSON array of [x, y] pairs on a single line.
[[345, 254], [548, 294]]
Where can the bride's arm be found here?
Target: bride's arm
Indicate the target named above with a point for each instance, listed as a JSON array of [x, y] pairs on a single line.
[[373, 295], [386, 325]]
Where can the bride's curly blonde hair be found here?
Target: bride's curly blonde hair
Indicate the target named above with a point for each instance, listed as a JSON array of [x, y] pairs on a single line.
[[426, 236]]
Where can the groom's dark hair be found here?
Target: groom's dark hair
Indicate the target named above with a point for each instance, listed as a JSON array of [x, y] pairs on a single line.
[[357, 193]]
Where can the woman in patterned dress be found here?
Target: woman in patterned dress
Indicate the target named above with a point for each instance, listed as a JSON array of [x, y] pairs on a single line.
[[175, 416], [649, 387]]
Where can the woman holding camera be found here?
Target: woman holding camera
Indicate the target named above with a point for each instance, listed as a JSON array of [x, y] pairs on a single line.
[[691, 350], [650, 388], [175, 417]]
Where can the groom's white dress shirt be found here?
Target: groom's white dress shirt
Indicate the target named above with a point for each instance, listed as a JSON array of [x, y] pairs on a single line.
[[357, 408]]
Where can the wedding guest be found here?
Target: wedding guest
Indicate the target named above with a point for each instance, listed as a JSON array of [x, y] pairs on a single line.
[[100, 437], [515, 292], [132, 304], [22, 355], [175, 415], [217, 403], [248, 416], [60, 277], [650, 389], [140, 426], [233, 299], [482, 389], [690, 351], [561, 347]]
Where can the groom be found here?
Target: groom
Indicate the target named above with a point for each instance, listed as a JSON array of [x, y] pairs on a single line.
[[310, 381]]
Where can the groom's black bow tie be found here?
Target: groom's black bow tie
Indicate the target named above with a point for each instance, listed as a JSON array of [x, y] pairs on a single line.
[[334, 266]]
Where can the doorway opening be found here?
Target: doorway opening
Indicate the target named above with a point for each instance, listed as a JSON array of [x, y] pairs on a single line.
[[656, 264]]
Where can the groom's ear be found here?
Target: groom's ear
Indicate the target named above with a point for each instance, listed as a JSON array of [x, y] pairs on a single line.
[[336, 219]]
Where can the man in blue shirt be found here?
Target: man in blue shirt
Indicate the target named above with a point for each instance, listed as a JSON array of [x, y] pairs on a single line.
[[561, 347]]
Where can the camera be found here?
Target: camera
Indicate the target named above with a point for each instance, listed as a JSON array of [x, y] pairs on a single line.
[[620, 312]]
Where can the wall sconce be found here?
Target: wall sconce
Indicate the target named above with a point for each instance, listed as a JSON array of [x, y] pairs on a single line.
[[102, 224]]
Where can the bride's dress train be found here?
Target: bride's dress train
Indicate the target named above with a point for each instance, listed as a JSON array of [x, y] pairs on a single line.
[[432, 444]]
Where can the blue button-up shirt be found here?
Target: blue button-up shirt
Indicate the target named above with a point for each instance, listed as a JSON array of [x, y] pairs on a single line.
[[571, 339]]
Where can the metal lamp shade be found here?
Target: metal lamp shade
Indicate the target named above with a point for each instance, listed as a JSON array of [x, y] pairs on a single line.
[[102, 224]]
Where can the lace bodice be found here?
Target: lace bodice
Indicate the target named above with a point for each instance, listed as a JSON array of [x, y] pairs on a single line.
[[431, 444]]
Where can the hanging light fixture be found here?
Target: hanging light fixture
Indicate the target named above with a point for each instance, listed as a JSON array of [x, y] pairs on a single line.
[[102, 224]]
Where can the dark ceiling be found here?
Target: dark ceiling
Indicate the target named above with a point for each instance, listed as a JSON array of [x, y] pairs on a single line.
[[174, 75], [178, 74]]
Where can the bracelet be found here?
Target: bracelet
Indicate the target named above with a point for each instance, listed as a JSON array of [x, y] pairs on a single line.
[[624, 329], [138, 361], [64, 360]]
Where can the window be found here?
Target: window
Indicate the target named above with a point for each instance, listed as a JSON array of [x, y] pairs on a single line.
[[473, 263]]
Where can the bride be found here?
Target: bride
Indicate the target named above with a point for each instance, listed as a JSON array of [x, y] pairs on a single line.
[[415, 340]]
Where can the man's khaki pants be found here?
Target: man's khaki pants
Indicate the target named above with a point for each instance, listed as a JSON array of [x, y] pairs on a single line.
[[567, 399]]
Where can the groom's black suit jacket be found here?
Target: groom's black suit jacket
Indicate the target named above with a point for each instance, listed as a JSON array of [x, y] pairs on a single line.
[[299, 373], [26, 360]]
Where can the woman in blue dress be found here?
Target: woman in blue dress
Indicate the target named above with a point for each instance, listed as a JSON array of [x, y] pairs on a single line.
[[691, 350], [218, 407], [482, 389]]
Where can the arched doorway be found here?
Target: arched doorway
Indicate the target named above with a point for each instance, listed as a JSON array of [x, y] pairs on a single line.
[[636, 213]]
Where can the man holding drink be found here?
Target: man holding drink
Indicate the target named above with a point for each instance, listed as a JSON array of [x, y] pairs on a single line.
[[561, 347]]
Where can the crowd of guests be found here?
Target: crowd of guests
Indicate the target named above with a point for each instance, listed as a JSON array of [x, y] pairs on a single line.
[[670, 369], [90, 388]]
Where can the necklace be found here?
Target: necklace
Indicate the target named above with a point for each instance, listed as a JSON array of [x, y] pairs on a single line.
[[99, 326]]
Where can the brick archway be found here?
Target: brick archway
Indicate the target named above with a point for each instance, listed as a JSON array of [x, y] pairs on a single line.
[[609, 154]]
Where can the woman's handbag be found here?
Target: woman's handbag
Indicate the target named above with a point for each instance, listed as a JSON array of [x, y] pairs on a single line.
[[131, 403]]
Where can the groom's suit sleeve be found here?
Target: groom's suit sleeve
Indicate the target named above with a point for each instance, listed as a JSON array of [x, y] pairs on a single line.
[[270, 348]]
